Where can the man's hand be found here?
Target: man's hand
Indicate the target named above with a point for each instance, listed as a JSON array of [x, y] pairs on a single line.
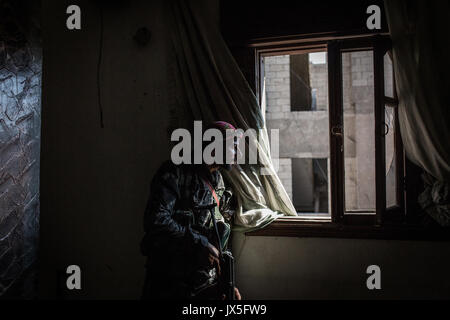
[[237, 294], [213, 258]]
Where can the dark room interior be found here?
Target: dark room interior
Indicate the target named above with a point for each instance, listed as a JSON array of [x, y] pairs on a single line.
[[358, 97]]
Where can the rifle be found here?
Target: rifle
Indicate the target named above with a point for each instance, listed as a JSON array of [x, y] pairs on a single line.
[[226, 279]]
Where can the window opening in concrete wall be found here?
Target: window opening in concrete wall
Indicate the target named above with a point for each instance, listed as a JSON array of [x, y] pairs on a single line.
[[296, 100]]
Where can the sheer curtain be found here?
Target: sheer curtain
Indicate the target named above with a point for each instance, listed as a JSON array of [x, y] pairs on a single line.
[[421, 50], [420, 36], [209, 86]]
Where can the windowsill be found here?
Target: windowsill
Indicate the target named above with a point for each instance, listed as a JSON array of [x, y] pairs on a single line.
[[324, 228]]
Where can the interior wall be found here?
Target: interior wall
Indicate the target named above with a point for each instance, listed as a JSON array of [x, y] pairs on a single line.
[[95, 181], [20, 106], [312, 268], [244, 22]]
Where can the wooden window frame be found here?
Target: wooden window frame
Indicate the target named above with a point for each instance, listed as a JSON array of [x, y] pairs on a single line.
[[386, 223], [396, 213]]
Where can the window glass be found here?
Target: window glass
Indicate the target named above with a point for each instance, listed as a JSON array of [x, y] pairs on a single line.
[[296, 103], [388, 76], [359, 132], [391, 164]]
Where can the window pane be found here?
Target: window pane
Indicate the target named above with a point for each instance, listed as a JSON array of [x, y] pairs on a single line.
[[310, 185], [359, 131], [388, 76], [308, 75], [296, 103], [391, 168]]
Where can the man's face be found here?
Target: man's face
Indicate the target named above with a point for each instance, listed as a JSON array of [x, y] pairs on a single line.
[[231, 154]]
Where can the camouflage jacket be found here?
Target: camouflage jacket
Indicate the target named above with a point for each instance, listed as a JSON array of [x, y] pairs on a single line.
[[178, 224]]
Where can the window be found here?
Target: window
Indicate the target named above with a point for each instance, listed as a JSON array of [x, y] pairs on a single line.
[[296, 103], [335, 105], [358, 132], [393, 160]]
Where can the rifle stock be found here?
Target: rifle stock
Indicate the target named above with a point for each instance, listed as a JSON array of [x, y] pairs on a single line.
[[227, 278]]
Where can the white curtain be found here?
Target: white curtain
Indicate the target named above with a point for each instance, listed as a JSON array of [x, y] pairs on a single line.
[[421, 47], [209, 86], [421, 50]]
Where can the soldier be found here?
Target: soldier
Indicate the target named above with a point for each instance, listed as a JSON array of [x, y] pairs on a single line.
[[182, 237]]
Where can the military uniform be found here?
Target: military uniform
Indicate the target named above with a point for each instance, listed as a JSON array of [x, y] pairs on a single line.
[[178, 227]]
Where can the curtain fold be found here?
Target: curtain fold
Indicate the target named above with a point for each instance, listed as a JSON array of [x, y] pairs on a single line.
[[421, 51], [209, 86]]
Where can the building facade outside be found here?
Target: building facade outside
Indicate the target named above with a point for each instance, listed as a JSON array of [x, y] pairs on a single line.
[[296, 103]]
